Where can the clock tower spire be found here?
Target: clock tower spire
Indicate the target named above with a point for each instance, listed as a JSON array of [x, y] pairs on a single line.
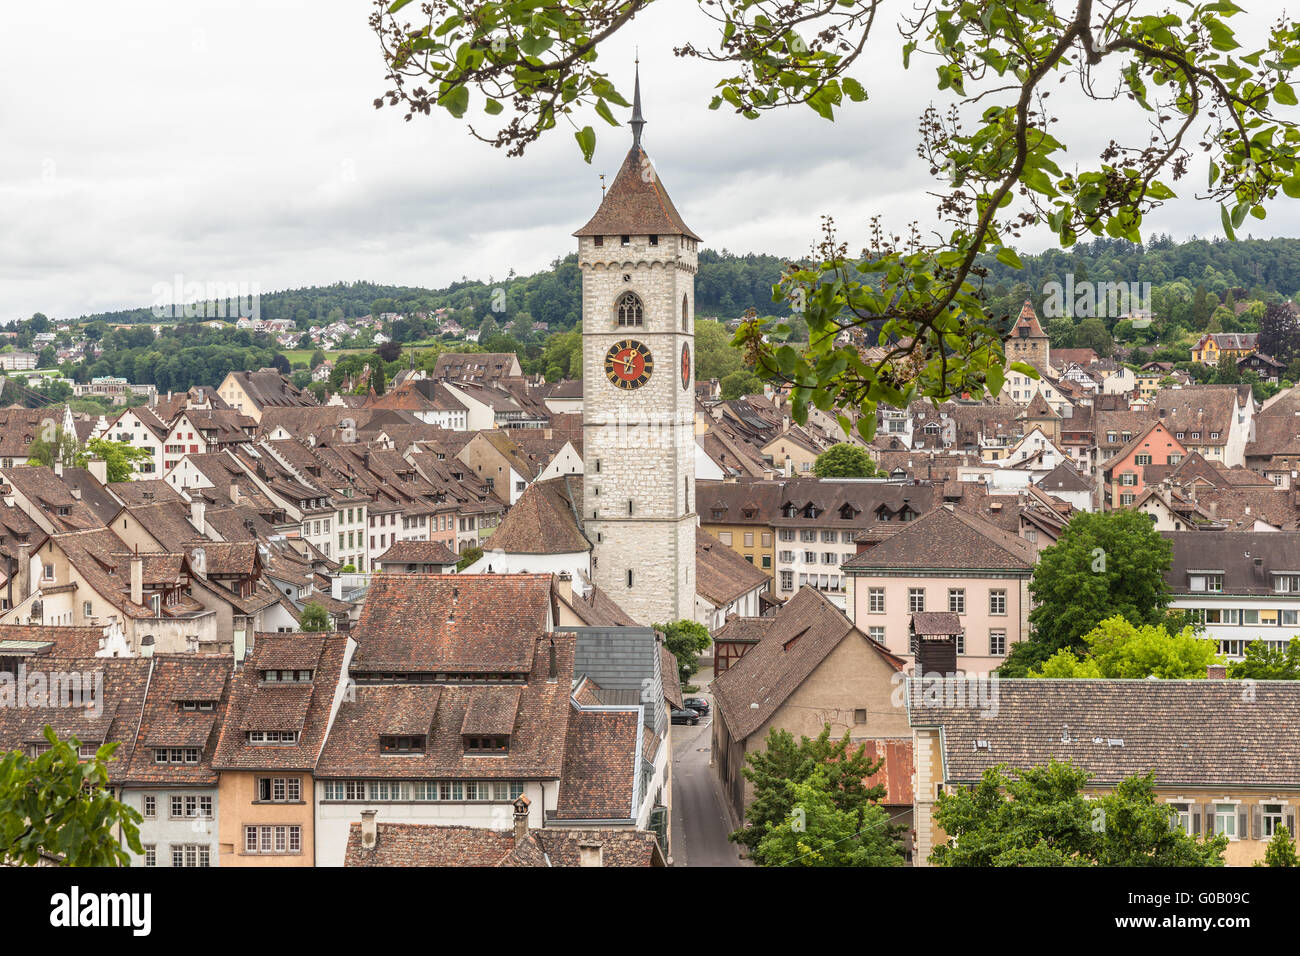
[[638, 260]]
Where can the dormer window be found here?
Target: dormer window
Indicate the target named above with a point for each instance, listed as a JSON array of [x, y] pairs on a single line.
[[273, 738], [487, 744], [286, 676], [176, 755], [401, 743], [198, 705]]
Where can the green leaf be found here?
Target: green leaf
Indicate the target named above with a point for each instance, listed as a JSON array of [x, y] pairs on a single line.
[[1284, 94], [492, 107], [586, 138], [1007, 256], [1227, 222], [456, 101], [397, 5]]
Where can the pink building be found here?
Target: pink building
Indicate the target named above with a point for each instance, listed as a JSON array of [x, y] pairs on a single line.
[[946, 560]]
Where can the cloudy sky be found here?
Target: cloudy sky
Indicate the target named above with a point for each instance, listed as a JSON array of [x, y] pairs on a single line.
[[236, 141]]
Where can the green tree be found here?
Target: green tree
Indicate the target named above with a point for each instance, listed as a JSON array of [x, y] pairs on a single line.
[[993, 152], [1265, 661], [1104, 564], [1118, 649], [1281, 849], [740, 383], [1039, 816], [1092, 334], [118, 456], [468, 556], [314, 618], [845, 461], [818, 833], [58, 806], [317, 359], [685, 640], [54, 444], [840, 772]]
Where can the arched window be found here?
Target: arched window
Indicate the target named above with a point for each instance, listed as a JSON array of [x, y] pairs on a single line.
[[685, 315], [630, 311]]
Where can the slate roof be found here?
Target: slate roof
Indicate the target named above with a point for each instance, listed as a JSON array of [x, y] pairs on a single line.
[[417, 552], [1234, 553], [1193, 733], [484, 623]]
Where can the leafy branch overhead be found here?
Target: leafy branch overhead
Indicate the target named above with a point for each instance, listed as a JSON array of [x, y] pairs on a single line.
[[906, 317]]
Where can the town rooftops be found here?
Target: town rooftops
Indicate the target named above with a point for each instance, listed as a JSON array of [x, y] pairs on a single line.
[[414, 844], [1192, 733], [463, 623], [802, 633], [721, 574], [947, 539]]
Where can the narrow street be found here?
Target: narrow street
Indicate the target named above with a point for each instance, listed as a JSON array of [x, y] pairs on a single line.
[[700, 820]]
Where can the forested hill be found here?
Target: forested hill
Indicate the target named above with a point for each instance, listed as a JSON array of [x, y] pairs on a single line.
[[726, 286]]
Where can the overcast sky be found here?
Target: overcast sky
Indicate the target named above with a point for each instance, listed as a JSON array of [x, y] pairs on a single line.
[[236, 141]]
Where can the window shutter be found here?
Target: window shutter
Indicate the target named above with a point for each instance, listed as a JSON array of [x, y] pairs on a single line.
[[1210, 827], [1290, 824], [1196, 820], [1256, 822], [1241, 824]]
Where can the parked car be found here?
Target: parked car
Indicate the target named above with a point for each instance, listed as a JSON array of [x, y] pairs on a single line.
[[686, 716], [697, 703]]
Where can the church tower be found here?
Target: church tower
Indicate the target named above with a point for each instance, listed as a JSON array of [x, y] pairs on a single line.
[[638, 261]]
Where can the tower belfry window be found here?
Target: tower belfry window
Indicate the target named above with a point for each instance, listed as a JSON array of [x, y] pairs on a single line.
[[630, 311], [685, 315]]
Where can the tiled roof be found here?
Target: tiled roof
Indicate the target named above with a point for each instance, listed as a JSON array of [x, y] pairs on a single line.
[[802, 633], [949, 539], [671, 678], [1194, 733], [537, 726], [486, 623], [1235, 554], [417, 552], [543, 521], [722, 575], [62, 641], [636, 203], [601, 765], [255, 705], [414, 844], [115, 715], [178, 678]]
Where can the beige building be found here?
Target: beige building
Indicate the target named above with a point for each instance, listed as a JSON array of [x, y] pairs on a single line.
[[810, 667], [1115, 729]]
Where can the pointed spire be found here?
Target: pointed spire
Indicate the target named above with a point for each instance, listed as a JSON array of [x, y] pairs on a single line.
[[638, 121]]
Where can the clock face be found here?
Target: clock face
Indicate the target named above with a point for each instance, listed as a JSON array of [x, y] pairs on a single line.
[[686, 365], [628, 364]]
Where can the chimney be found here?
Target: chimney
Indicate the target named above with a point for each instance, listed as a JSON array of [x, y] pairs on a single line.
[[24, 571], [589, 854], [98, 468], [198, 513], [137, 579], [234, 492], [521, 820], [564, 586], [369, 830], [58, 467], [1216, 672]]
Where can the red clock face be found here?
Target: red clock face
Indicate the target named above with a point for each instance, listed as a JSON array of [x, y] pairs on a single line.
[[628, 364], [686, 365]]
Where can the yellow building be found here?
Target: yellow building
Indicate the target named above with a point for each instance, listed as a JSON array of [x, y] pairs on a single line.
[[1115, 729], [1216, 347], [281, 706], [739, 515]]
